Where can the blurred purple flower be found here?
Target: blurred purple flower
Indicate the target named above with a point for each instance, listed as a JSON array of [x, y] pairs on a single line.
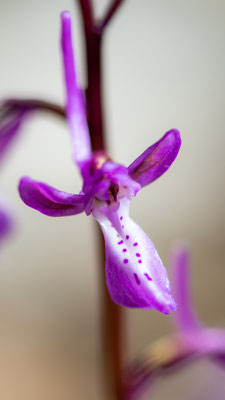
[[135, 274], [191, 340], [200, 339], [6, 222], [14, 112]]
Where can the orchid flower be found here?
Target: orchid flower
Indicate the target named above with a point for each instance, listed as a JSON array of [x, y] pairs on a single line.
[[191, 340], [6, 222], [13, 113], [135, 274], [199, 338]]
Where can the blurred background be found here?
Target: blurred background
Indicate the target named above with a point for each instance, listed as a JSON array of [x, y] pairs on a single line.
[[164, 66]]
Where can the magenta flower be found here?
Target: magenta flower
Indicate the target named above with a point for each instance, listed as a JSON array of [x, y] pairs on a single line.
[[198, 338], [191, 340], [5, 222], [135, 274]]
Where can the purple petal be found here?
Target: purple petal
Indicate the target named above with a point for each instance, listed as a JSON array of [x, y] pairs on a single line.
[[49, 201], [6, 222], [208, 341], [9, 126], [14, 112], [185, 318], [151, 164], [76, 114], [135, 275]]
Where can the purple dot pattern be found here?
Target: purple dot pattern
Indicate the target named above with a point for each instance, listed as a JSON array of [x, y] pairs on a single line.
[[148, 277], [137, 279], [138, 255]]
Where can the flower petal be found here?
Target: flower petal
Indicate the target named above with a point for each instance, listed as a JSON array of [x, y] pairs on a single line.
[[208, 341], [135, 274], [76, 115], [151, 164], [9, 125], [185, 318], [6, 223], [49, 201], [14, 112]]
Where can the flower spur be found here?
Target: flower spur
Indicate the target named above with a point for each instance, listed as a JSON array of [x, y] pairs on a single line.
[[135, 274]]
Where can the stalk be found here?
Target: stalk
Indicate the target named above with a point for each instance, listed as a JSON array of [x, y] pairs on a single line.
[[112, 315]]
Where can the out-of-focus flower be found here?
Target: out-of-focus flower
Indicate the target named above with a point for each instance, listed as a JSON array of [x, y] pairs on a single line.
[[6, 222], [201, 339], [14, 112], [191, 340], [12, 115], [135, 274]]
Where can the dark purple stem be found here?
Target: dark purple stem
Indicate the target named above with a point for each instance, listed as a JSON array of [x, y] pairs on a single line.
[[109, 14], [94, 77], [94, 91], [12, 105], [112, 317]]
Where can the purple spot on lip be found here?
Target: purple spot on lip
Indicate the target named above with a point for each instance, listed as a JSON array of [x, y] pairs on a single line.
[[139, 261], [138, 255], [127, 237], [122, 226], [121, 218], [125, 261], [120, 242], [135, 244], [137, 279], [148, 277], [124, 250]]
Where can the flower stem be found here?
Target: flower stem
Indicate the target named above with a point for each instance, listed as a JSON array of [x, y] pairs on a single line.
[[11, 105], [94, 91], [109, 14], [111, 314]]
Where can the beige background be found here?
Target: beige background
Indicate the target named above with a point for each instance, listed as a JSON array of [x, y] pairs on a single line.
[[164, 65]]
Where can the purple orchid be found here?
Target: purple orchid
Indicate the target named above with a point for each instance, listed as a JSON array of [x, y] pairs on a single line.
[[15, 112], [6, 223], [135, 274], [191, 340], [200, 339]]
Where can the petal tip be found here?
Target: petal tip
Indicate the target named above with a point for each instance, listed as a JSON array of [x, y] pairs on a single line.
[[65, 15]]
